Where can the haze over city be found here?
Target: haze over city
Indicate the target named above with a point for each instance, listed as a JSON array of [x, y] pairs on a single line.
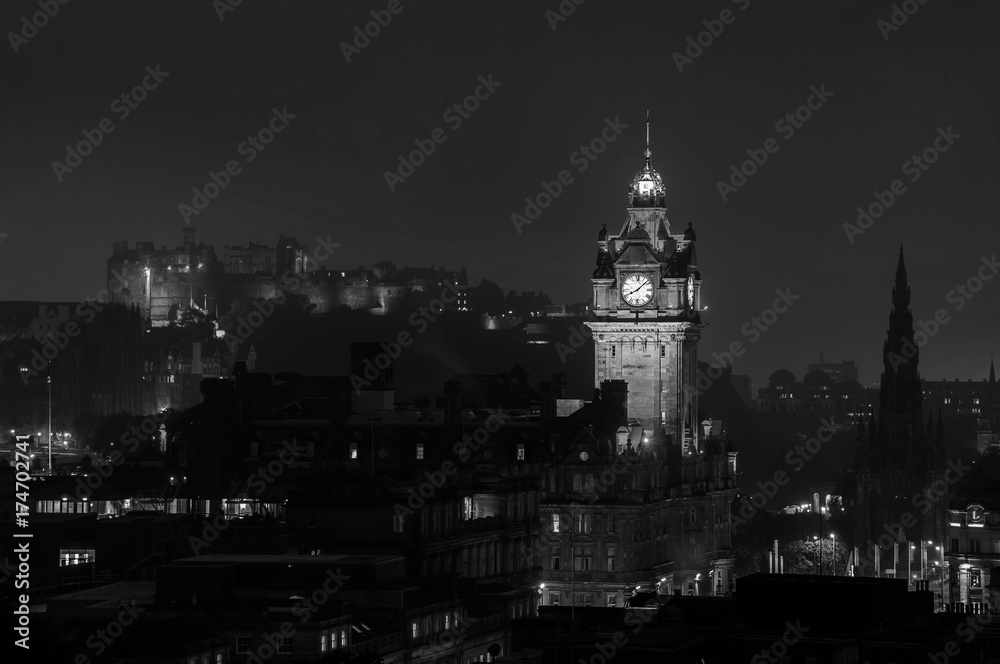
[[325, 174]]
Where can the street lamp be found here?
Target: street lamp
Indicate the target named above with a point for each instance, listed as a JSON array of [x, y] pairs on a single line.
[[909, 561], [815, 538], [834, 538]]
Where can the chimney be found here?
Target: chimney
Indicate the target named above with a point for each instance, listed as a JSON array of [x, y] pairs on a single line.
[[615, 394], [188, 236], [551, 391], [453, 402]]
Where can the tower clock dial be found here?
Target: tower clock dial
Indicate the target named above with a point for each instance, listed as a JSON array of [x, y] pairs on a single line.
[[637, 289]]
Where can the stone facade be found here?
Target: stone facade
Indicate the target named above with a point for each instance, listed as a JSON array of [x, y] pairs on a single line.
[[164, 282]]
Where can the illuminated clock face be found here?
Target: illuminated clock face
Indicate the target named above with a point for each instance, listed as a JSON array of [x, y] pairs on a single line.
[[637, 289]]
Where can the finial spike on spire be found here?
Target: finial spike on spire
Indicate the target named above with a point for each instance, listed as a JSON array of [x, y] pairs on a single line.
[[649, 153]]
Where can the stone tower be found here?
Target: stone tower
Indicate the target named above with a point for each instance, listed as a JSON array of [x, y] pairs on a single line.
[[900, 466], [647, 292]]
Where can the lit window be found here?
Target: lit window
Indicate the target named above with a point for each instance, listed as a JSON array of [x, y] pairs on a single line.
[[555, 523], [218, 658], [612, 553], [520, 452], [354, 450], [322, 642], [447, 621], [420, 451], [343, 638], [75, 556], [414, 629]]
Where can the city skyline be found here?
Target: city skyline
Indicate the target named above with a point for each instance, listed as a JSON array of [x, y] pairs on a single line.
[[324, 173], [476, 334]]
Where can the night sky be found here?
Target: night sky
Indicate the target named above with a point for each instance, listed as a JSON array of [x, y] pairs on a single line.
[[324, 174]]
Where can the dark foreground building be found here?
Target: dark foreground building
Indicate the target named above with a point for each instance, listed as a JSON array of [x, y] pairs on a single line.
[[770, 618]]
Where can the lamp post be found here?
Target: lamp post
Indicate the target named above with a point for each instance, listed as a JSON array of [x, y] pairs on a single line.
[[821, 540], [940, 575], [48, 380], [834, 562], [815, 539], [909, 562]]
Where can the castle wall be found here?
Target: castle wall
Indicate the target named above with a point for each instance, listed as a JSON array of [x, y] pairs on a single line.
[[215, 285]]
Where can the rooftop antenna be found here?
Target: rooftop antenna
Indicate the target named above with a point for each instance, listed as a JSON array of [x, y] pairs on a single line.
[[648, 152]]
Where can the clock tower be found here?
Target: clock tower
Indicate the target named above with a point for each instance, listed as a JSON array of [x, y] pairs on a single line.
[[647, 321]]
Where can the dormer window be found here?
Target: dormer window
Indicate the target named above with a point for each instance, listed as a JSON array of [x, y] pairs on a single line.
[[975, 514]]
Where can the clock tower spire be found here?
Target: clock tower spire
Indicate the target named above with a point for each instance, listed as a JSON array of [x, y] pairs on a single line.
[[647, 304]]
